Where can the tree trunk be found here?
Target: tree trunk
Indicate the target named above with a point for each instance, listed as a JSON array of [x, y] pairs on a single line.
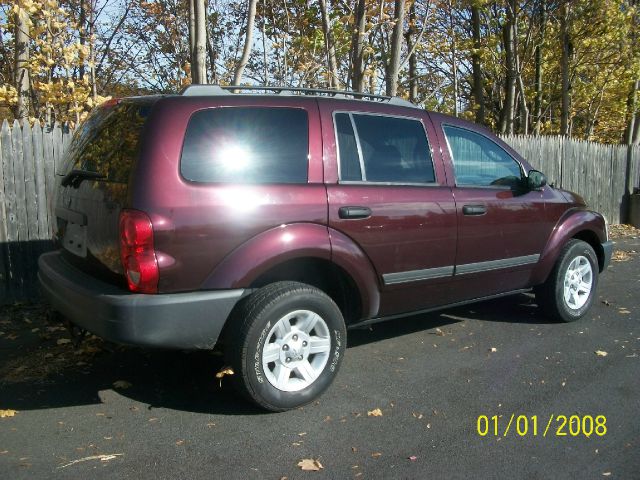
[[478, 84], [329, 45], [510, 82], [83, 32], [564, 66], [357, 48], [248, 43], [22, 80], [92, 53], [633, 124], [199, 69], [192, 37], [264, 42], [413, 61], [396, 44], [537, 108], [524, 109]]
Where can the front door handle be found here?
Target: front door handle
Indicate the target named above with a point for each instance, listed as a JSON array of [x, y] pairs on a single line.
[[354, 212], [474, 209]]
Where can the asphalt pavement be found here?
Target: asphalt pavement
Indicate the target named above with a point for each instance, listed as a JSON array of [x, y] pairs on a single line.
[[101, 411]]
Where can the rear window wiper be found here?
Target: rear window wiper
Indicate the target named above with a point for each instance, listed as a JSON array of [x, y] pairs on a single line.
[[75, 177]]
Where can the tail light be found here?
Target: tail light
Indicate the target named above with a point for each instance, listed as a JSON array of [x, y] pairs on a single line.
[[137, 253]]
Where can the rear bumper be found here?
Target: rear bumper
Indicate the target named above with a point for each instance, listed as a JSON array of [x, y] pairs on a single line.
[[178, 320], [607, 248]]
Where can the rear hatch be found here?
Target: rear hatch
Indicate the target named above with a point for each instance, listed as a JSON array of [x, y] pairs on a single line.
[[93, 187]]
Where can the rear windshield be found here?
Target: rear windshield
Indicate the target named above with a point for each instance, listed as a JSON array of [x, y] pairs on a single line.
[[107, 142], [246, 145]]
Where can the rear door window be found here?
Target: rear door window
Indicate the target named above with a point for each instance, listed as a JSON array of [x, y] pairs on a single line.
[[247, 145], [377, 148]]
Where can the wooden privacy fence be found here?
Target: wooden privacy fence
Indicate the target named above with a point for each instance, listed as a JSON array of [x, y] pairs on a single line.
[[32, 155], [30, 158], [596, 171]]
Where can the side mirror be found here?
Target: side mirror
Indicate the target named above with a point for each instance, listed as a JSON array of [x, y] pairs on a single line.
[[536, 180]]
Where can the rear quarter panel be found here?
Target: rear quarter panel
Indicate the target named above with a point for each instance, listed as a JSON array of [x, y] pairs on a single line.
[[196, 225]]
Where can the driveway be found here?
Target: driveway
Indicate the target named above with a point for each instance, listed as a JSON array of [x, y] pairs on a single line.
[[101, 411]]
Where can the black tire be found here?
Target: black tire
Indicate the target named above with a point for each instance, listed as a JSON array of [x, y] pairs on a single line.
[[550, 296], [251, 324]]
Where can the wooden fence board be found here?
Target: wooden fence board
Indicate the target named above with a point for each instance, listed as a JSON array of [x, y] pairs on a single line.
[[50, 174], [40, 181], [4, 270]]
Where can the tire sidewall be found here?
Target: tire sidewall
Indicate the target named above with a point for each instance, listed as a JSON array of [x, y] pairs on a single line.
[[577, 249], [256, 338]]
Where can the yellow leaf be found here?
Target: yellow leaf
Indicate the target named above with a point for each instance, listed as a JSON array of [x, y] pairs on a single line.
[[310, 465], [224, 371], [376, 412], [121, 384], [7, 413], [601, 353]]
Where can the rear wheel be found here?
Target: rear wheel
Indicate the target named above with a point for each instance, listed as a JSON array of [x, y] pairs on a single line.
[[568, 293], [285, 343]]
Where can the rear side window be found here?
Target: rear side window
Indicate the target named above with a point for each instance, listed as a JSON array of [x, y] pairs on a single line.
[[478, 161], [246, 145], [383, 149], [108, 142]]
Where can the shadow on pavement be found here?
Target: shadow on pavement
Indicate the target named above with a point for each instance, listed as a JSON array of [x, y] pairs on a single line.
[[180, 380]]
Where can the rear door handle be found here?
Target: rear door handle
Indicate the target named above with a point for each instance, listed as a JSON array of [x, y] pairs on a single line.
[[354, 212], [474, 209]]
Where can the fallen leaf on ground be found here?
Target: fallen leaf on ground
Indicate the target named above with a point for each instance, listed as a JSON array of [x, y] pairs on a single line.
[[102, 458], [493, 349], [180, 442], [376, 455], [624, 311], [417, 415], [376, 412], [121, 384], [62, 341], [310, 465], [606, 302], [601, 353], [413, 458], [606, 474], [439, 332], [7, 413], [224, 371]]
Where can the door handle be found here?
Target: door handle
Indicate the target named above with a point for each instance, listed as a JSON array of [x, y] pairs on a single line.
[[354, 212], [474, 209]]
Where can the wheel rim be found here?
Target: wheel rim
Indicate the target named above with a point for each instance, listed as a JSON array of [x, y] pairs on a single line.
[[296, 350], [578, 282]]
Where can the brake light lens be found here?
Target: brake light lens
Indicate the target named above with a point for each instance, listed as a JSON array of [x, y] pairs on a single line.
[[137, 252]]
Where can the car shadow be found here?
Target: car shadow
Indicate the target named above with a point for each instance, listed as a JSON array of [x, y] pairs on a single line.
[[186, 381]]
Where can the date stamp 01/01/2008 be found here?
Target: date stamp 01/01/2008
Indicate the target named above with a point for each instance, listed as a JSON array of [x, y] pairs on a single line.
[[532, 425]]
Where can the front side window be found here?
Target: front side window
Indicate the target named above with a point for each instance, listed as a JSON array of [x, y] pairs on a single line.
[[480, 162], [377, 148], [246, 145]]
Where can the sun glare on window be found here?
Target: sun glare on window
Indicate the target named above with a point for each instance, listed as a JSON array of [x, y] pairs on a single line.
[[234, 158]]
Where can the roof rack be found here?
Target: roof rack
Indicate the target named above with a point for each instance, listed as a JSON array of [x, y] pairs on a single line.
[[212, 90]]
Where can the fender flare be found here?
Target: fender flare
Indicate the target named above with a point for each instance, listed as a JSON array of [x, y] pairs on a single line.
[[245, 264], [573, 221]]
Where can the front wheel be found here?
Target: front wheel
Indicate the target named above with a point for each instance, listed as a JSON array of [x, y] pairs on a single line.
[[568, 293], [285, 344]]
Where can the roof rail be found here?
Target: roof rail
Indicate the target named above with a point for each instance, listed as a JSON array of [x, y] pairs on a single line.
[[212, 90]]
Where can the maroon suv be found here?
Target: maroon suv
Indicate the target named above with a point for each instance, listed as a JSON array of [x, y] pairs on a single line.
[[271, 223]]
